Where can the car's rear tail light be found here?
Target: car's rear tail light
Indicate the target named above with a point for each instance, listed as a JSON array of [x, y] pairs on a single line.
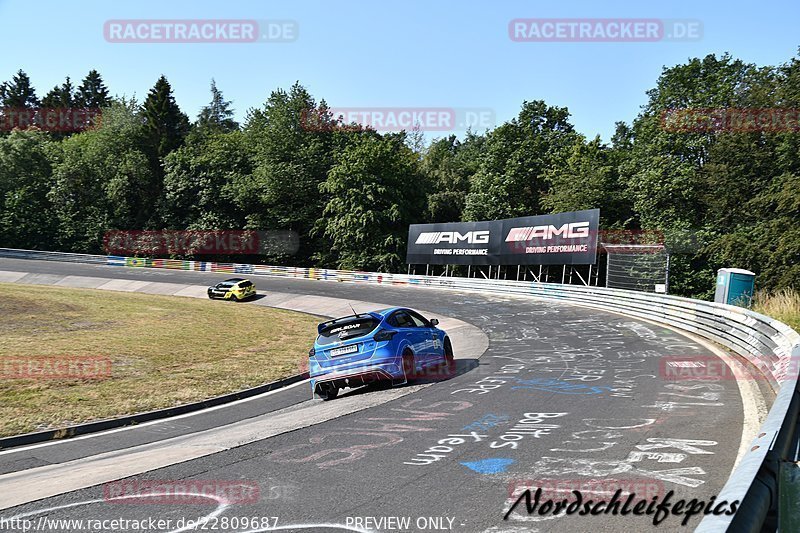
[[384, 335]]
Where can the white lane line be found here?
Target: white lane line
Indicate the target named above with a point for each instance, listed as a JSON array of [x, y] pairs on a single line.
[[152, 422], [41, 482]]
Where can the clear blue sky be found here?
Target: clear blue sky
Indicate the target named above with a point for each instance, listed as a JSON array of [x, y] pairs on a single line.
[[411, 53]]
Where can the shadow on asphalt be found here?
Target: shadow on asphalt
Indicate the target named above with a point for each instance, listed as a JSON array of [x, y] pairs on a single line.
[[433, 375]]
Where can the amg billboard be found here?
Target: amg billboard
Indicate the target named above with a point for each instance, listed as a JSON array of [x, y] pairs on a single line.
[[560, 239]]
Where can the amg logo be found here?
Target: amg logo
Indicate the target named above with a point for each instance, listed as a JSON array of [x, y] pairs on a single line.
[[575, 230], [453, 237]]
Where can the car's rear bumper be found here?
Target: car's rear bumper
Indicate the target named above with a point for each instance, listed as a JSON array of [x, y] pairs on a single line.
[[216, 296], [358, 373]]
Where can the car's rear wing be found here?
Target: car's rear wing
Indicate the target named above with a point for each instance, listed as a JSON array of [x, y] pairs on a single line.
[[330, 323]]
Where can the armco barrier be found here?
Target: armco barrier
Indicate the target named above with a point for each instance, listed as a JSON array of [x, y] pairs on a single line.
[[771, 346]]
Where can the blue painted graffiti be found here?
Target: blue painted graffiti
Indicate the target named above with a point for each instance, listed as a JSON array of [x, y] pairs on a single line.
[[489, 466]]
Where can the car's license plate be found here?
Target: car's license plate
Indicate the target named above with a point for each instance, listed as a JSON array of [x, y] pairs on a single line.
[[344, 350]]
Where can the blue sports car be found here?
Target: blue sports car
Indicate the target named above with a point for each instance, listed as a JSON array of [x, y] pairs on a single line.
[[391, 345]]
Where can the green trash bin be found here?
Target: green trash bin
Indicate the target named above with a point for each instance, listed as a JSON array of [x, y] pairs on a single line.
[[735, 286]]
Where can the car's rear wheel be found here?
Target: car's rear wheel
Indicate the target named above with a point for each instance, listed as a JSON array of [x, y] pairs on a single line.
[[327, 391], [409, 365], [234, 298]]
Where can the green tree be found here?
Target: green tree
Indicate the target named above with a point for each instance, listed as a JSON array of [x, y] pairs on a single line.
[[202, 181], [217, 115], [19, 92], [588, 179], [165, 124], [26, 214], [683, 179], [62, 96], [103, 181], [293, 146], [448, 165], [511, 180], [92, 92], [373, 197]]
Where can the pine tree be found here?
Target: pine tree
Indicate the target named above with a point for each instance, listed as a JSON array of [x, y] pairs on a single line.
[[92, 92], [165, 124], [217, 115], [60, 97], [18, 92]]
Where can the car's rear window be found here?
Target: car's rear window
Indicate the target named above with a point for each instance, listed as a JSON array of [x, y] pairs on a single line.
[[349, 329]]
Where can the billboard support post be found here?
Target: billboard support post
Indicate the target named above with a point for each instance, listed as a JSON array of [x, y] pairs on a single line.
[[585, 282]]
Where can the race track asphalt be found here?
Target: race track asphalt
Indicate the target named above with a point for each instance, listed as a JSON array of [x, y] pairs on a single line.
[[564, 398]]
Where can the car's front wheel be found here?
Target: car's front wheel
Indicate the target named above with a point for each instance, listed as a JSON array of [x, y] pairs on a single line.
[[327, 391]]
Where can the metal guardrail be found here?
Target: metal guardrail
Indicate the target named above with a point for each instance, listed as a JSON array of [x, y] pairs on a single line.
[[771, 346], [53, 256]]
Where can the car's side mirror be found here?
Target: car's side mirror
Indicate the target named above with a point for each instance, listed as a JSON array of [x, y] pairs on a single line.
[[434, 321]]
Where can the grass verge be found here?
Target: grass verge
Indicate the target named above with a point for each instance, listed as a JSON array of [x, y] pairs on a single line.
[[163, 351], [783, 305]]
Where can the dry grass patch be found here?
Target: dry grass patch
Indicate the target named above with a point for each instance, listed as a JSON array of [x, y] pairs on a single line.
[[783, 305], [164, 351]]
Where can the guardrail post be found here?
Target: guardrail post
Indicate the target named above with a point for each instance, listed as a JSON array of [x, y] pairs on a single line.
[[789, 497]]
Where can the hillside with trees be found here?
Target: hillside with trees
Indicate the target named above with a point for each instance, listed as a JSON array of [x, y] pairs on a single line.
[[721, 196]]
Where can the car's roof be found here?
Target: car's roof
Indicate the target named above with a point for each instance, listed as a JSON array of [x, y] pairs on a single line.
[[379, 315], [387, 311], [234, 280]]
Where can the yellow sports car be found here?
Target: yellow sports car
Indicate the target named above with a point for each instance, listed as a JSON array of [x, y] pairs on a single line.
[[235, 289]]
